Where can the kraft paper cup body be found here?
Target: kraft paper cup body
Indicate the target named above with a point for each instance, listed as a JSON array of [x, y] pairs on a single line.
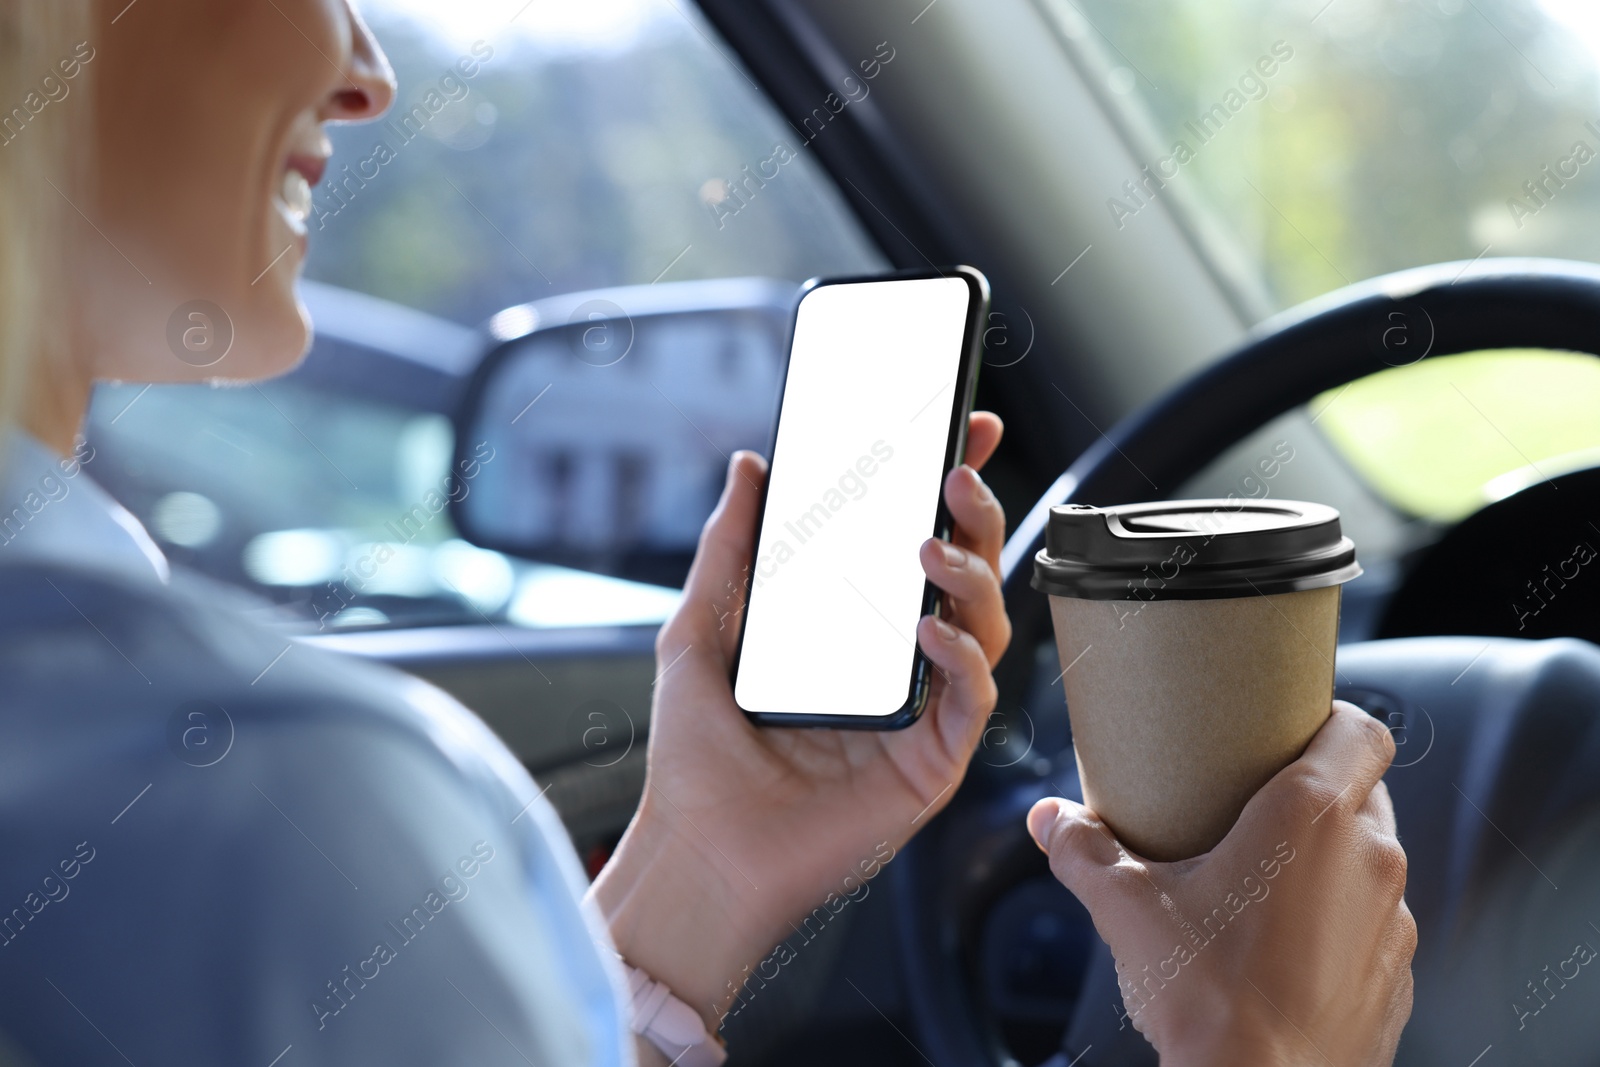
[[1182, 709], [1197, 643]]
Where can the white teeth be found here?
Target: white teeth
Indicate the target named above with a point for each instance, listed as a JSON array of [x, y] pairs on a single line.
[[296, 196]]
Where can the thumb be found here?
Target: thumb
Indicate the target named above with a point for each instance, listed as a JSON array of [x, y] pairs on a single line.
[[714, 595], [1112, 883]]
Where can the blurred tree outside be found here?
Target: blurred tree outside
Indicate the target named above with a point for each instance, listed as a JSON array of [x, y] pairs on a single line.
[[1399, 133]]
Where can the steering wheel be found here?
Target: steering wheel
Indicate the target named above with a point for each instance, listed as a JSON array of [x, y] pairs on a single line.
[[961, 875]]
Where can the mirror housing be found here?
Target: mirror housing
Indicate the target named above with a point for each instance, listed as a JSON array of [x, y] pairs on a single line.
[[596, 431]]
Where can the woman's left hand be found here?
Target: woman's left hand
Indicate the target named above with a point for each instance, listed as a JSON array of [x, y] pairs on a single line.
[[743, 830]]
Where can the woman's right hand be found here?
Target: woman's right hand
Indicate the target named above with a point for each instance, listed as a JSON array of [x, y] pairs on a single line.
[[1288, 943]]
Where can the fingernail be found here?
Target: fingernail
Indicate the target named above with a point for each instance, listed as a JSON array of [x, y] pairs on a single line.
[[953, 556], [944, 629], [1042, 821]]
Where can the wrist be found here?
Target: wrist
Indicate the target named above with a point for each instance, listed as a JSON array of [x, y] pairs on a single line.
[[671, 915], [647, 1055]]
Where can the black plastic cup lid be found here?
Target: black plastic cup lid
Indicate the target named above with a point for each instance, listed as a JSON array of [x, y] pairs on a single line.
[[1192, 550]]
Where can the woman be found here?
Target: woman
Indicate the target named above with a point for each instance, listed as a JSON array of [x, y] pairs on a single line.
[[223, 849]]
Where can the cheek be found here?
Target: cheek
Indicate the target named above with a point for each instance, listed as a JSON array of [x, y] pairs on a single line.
[[188, 157]]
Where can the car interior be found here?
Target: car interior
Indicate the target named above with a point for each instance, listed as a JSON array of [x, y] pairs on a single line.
[[1345, 251]]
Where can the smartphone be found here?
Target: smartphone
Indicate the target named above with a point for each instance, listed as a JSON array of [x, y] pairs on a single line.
[[880, 381]]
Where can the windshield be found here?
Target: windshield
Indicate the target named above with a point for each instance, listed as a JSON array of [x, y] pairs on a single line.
[[1309, 145]]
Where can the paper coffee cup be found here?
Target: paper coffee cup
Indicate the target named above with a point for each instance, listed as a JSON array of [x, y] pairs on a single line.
[[1197, 640]]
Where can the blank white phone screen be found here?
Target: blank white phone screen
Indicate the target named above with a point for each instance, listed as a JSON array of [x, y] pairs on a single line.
[[857, 467]]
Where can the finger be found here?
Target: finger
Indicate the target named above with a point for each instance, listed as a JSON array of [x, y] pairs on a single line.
[[1399, 991], [980, 521], [984, 430], [714, 595], [1379, 810], [974, 592], [1052, 815], [1347, 756], [968, 692], [1111, 882], [1405, 937], [1353, 740]]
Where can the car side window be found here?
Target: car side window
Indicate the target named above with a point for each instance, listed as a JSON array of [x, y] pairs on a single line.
[[570, 148]]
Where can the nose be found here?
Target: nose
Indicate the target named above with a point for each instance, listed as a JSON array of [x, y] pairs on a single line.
[[369, 88]]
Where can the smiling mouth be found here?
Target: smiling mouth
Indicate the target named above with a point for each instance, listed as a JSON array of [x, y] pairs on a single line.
[[294, 193], [294, 201]]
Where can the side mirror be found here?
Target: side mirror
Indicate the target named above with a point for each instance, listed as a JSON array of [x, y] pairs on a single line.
[[596, 431]]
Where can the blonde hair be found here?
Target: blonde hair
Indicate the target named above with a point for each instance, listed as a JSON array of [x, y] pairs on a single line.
[[39, 146]]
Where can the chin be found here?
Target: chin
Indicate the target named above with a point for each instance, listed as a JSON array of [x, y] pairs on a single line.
[[298, 335], [272, 342]]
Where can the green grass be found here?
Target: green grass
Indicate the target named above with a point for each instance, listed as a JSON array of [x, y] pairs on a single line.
[[1431, 437]]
